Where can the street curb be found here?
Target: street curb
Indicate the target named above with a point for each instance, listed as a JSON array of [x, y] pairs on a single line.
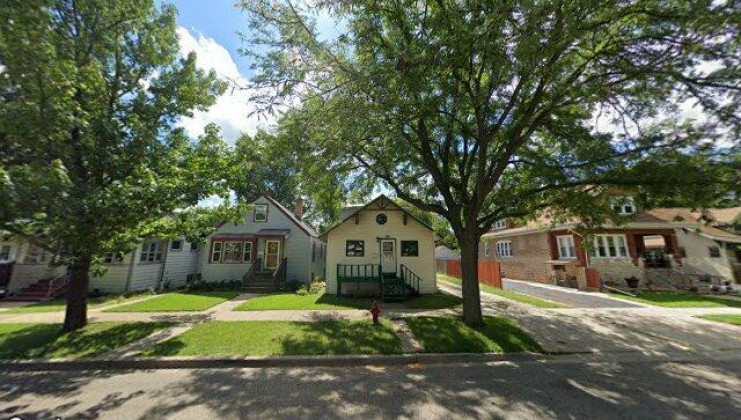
[[263, 362]]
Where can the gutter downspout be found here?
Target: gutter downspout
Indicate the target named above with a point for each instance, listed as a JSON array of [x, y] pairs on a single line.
[[164, 264], [127, 285]]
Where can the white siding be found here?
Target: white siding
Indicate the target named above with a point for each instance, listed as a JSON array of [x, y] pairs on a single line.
[[296, 247], [144, 275], [26, 274], [369, 231], [179, 264], [698, 260], [113, 280]]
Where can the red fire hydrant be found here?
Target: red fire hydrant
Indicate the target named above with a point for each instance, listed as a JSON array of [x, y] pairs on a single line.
[[375, 310]]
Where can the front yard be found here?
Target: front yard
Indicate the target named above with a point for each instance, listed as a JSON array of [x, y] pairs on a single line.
[[680, 300], [57, 305], [266, 338], [518, 297], [451, 335], [173, 302], [46, 341], [323, 301]]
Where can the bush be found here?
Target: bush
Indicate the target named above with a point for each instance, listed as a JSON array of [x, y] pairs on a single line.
[[214, 286], [315, 287]]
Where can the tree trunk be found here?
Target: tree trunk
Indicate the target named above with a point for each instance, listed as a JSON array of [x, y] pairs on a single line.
[[469, 244], [76, 315]]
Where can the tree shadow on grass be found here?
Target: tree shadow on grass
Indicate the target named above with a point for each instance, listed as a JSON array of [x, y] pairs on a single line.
[[335, 338], [48, 341], [451, 335]]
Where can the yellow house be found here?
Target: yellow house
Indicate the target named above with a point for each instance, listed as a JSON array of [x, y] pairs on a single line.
[[380, 249]]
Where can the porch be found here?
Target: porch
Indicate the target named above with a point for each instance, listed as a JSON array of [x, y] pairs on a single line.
[[365, 280], [257, 260]]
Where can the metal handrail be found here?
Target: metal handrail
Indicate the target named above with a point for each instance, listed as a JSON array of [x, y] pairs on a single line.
[[248, 274], [64, 277], [410, 278], [280, 274]]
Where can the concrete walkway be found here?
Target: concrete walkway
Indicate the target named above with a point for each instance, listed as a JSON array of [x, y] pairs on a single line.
[[650, 331], [571, 297]]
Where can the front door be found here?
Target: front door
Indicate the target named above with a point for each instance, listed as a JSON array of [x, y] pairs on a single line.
[[272, 254], [388, 255]]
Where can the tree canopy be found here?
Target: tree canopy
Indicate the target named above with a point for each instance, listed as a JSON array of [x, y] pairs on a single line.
[[92, 158], [483, 110]]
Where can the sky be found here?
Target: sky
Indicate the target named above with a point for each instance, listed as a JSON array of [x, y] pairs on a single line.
[[210, 28]]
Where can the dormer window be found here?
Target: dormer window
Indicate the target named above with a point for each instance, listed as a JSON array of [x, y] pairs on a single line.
[[261, 212], [623, 205], [500, 224]]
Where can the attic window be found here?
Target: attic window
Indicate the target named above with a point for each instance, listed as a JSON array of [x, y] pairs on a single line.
[[261, 213], [623, 205], [500, 224]]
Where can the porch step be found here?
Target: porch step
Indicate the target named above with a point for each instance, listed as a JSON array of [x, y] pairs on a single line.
[[39, 292]]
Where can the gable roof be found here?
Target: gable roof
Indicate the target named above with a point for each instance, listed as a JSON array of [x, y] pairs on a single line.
[[349, 211], [290, 215]]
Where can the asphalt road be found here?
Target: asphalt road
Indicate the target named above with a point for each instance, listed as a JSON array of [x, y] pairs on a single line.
[[575, 300], [532, 390]]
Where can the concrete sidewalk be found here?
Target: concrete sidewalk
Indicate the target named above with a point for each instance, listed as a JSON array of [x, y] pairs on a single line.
[[650, 331]]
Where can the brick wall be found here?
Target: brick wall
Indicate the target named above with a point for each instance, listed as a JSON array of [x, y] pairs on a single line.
[[529, 260]]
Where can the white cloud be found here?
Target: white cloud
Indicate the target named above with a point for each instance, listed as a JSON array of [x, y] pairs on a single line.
[[232, 111]]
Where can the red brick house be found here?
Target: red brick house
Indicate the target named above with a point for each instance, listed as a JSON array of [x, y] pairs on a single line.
[[660, 245]]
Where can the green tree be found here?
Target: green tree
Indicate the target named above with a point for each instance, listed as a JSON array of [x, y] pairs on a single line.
[[92, 160], [483, 110]]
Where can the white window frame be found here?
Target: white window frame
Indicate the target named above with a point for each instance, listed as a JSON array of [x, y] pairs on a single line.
[[570, 246], [179, 248], [35, 255], [624, 205], [194, 246], [6, 252], [247, 254], [216, 248], [504, 249], [111, 258], [487, 249], [151, 252], [604, 241], [263, 210], [500, 224]]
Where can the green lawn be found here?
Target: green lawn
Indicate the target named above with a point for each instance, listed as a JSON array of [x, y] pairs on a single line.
[[726, 319], [263, 338], [192, 301], [680, 300], [319, 301], [519, 297], [451, 335], [31, 341], [60, 304]]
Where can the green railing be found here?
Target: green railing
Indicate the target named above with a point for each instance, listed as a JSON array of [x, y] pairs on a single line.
[[410, 279], [358, 273]]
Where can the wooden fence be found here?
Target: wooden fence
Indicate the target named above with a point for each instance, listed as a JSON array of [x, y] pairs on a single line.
[[489, 272]]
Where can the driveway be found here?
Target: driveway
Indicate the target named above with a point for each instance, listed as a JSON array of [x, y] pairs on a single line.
[[570, 297]]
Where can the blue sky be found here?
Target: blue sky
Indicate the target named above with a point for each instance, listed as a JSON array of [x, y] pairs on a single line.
[[215, 19], [210, 29]]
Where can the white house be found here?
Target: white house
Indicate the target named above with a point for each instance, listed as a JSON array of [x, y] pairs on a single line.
[[269, 241], [27, 270], [380, 249]]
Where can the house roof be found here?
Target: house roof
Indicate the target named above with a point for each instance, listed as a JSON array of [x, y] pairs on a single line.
[[298, 222], [675, 217], [289, 214], [349, 211]]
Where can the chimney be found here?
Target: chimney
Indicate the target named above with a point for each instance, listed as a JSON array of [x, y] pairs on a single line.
[[299, 208]]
